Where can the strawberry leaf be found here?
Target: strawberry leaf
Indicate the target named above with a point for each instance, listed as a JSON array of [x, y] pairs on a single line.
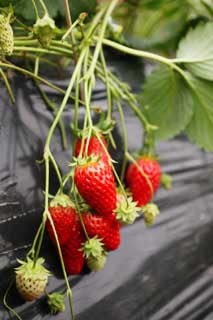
[[167, 102], [196, 51], [200, 128]]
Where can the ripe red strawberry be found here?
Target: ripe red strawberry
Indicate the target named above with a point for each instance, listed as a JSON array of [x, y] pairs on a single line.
[[95, 182], [72, 254], [107, 230], [94, 146], [143, 183], [63, 216]]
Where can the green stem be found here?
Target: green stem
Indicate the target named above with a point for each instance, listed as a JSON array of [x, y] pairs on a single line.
[[101, 37], [109, 97], [35, 8], [31, 74], [53, 107], [6, 304], [7, 84], [44, 7], [124, 134], [52, 50], [66, 97], [76, 109], [137, 53], [56, 170]]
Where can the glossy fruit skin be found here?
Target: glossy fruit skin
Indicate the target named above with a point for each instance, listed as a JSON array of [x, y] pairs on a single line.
[[107, 230], [96, 184], [72, 255], [94, 146], [63, 218], [138, 184]]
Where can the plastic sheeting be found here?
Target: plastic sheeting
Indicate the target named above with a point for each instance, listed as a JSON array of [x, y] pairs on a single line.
[[159, 273]]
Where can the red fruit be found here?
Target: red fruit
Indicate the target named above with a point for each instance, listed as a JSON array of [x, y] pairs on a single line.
[[106, 230], [72, 254], [141, 185], [94, 146], [96, 184], [63, 216]]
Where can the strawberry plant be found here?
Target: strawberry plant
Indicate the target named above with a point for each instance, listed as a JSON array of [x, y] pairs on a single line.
[[84, 218]]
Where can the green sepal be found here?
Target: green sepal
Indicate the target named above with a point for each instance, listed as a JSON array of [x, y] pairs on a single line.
[[31, 270], [56, 302], [166, 181], [92, 248], [150, 212], [82, 161], [98, 263], [61, 200], [126, 210]]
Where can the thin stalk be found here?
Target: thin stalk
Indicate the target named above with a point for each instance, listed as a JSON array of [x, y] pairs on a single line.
[[44, 7], [66, 97], [124, 135], [33, 57], [69, 25], [7, 84], [6, 304], [54, 51], [76, 109], [137, 53], [69, 31], [51, 105], [35, 8], [56, 170], [80, 215], [109, 97], [101, 37], [31, 74]]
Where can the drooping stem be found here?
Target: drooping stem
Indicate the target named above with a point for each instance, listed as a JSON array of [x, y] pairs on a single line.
[[7, 84], [124, 135]]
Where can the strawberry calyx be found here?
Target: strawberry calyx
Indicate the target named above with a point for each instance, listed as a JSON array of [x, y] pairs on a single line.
[[32, 270], [150, 212], [86, 160], [56, 303], [126, 210], [93, 248], [61, 200]]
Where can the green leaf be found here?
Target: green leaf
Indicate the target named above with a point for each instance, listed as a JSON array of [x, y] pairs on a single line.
[[167, 102], [200, 128], [24, 8], [196, 51]]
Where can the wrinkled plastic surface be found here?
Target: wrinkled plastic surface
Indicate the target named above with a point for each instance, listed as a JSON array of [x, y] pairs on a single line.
[[159, 273]]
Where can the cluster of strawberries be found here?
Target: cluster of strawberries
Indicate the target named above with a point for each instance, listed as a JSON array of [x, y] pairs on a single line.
[[87, 235]]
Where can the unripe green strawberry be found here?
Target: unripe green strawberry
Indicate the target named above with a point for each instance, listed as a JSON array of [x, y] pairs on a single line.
[[31, 279], [98, 263], [6, 36]]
